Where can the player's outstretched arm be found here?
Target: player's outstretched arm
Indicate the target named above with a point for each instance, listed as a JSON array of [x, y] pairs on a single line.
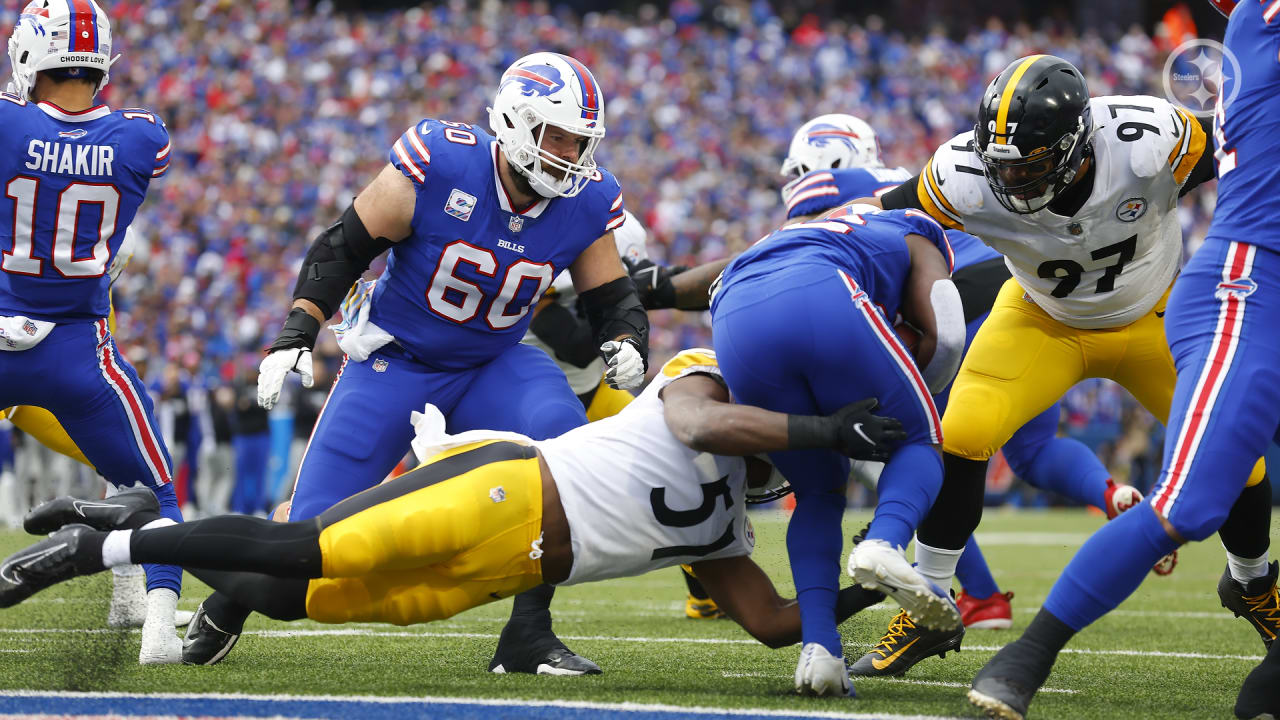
[[746, 593], [381, 215], [699, 414], [614, 310]]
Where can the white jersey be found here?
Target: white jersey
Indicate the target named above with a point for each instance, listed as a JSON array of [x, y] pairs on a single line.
[[637, 499], [1107, 265], [630, 239]]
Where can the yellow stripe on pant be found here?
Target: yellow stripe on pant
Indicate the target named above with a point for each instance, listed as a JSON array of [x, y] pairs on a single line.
[[1022, 361], [433, 551]]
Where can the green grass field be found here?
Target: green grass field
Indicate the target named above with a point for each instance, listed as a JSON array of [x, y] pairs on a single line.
[[1169, 652]]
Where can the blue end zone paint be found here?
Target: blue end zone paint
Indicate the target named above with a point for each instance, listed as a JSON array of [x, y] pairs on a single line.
[[375, 708]]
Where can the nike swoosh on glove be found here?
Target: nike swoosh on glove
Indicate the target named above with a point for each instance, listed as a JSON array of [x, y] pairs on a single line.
[[626, 365], [275, 366]]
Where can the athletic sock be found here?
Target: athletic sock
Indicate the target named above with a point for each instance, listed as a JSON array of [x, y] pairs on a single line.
[[973, 573], [937, 564]]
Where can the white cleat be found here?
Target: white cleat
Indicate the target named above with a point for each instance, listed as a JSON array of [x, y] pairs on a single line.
[[160, 642], [821, 673], [875, 565]]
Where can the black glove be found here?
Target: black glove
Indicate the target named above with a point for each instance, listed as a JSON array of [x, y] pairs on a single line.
[[852, 430], [653, 283]]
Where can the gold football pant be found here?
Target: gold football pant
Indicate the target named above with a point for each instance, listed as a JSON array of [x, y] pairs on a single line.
[[458, 531], [1022, 361], [607, 402]]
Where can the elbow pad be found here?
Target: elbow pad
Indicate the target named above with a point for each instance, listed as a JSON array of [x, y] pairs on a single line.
[[614, 310], [336, 260], [948, 315]]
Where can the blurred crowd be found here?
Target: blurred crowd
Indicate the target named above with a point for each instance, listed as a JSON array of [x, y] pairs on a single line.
[[280, 111]]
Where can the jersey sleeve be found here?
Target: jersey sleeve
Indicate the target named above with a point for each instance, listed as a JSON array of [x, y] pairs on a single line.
[[690, 362], [813, 192], [947, 188], [616, 212], [410, 153], [156, 138], [630, 237], [1188, 147], [925, 225], [1161, 135]]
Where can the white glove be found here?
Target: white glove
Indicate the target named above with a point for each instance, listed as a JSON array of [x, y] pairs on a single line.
[[626, 367], [278, 364]]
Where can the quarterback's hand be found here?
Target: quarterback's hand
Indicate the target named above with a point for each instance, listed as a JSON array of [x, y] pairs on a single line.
[[626, 364], [273, 369], [852, 430]]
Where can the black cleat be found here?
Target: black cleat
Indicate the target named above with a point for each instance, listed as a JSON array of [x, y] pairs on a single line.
[[999, 697], [46, 563], [558, 661], [110, 514], [1258, 601], [1259, 698], [904, 645], [1005, 686], [206, 643]]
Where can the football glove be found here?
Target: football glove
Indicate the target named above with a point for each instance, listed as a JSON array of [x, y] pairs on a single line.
[[626, 364], [291, 352], [653, 283], [852, 430]]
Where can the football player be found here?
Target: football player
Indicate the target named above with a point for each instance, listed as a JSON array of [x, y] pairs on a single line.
[[1220, 324], [477, 226], [801, 323], [491, 514], [75, 172], [840, 161], [561, 329]]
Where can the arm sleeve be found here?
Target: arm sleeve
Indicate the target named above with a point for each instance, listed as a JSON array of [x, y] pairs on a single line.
[[1203, 171]]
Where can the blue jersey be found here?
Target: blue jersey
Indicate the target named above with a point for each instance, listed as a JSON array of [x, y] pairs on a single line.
[[968, 249], [870, 247], [457, 291], [1245, 127], [824, 189], [73, 182]]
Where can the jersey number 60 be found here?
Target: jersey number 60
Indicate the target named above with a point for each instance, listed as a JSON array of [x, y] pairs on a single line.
[[453, 298]]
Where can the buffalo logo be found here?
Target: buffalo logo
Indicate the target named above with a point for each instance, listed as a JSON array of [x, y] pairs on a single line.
[[533, 80], [1130, 210], [824, 135], [1238, 288], [73, 134]]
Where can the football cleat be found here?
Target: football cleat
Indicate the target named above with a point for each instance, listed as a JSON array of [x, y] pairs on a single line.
[[1119, 498], [35, 568], [702, 609], [109, 514], [559, 661], [1258, 601], [875, 565], [1258, 699], [1000, 698], [989, 613], [206, 643], [821, 673], [904, 646], [160, 645]]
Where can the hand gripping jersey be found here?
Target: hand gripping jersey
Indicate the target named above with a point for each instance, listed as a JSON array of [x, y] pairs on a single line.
[[1246, 122], [629, 237], [457, 292], [1110, 263], [867, 243], [824, 189], [73, 182], [637, 499]]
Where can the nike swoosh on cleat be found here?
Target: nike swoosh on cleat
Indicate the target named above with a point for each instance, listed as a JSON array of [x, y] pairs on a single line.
[[857, 427], [34, 557], [80, 505], [886, 662]]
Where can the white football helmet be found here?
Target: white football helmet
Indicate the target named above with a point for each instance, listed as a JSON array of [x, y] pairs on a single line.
[[832, 141], [548, 89], [53, 34]]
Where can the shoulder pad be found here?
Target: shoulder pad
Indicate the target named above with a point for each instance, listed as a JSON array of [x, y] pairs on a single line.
[[953, 181], [687, 362]]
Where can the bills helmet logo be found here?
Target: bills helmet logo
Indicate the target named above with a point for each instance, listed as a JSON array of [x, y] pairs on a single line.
[[73, 134], [824, 135], [1238, 288], [533, 80]]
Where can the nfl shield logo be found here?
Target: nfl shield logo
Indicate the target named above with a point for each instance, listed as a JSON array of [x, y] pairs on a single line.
[[379, 365], [516, 223], [1075, 228], [497, 494], [29, 328]]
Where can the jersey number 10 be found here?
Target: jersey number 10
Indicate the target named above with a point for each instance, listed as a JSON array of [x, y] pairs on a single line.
[[20, 260]]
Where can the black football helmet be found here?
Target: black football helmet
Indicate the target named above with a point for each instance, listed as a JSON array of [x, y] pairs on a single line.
[[1033, 132]]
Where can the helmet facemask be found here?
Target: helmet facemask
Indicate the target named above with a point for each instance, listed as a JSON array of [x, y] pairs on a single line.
[[1025, 185]]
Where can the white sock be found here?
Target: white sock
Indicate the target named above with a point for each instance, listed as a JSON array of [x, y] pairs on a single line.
[[115, 549], [161, 604], [1245, 569], [158, 523], [937, 564]]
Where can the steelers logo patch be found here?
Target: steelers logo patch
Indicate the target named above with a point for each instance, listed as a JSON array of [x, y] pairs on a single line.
[[1130, 210]]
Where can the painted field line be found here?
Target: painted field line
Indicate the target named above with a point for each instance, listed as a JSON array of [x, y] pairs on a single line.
[[355, 632], [426, 702], [859, 680]]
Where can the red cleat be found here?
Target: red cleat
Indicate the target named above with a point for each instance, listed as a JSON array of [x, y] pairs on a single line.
[[989, 613]]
